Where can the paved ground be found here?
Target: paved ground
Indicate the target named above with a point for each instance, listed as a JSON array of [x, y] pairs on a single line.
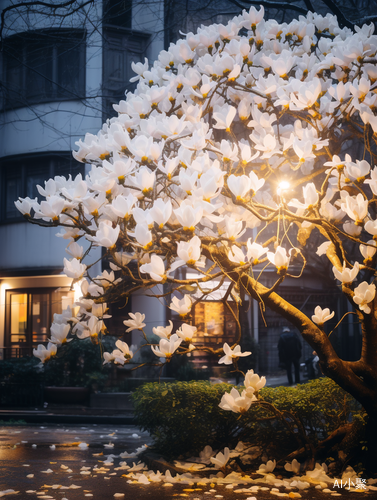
[[45, 462]]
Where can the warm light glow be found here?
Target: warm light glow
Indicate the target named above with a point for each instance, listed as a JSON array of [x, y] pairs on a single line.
[[282, 186], [77, 291]]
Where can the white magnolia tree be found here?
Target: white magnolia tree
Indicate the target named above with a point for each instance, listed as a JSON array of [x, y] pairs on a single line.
[[250, 129]]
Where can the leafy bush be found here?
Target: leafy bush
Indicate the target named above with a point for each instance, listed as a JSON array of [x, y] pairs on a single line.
[[21, 370], [79, 363], [183, 417]]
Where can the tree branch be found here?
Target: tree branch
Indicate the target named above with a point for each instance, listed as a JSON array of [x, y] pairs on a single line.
[[53, 6]]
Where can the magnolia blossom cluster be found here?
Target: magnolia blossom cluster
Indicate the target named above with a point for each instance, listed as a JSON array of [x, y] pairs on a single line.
[[233, 150], [240, 403]]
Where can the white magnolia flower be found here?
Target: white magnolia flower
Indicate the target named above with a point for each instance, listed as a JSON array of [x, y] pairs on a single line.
[[122, 259], [267, 467], [255, 252], [221, 459], [364, 294], [122, 205], [183, 306], [320, 315], [124, 348], [236, 402], [139, 68], [167, 348], [24, 205], [163, 332], [106, 236], [294, 466], [74, 269], [75, 250], [188, 216], [108, 357], [352, 229], [255, 182], [368, 251], [346, 275], [51, 209], [189, 251], [239, 185], [322, 249], [136, 322], [144, 179], [253, 382], [237, 256], [59, 333], [119, 356], [233, 229], [161, 212], [231, 354], [143, 236], [206, 454], [280, 259], [371, 227], [224, 117], [356, 208], [186, 332], [90, 328], [311, 198], [155, 268], [106, 279], [45, 353]]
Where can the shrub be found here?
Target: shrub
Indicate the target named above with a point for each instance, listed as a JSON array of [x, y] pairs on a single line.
[[183, 417], [20, 370], [78, 363]]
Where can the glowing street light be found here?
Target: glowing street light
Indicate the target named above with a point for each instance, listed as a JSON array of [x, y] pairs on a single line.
[[283, 186]]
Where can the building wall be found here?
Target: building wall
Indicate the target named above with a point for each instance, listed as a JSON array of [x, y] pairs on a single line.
[[28, 253]]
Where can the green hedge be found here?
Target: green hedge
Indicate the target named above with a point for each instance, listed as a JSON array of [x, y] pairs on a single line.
[[78, 363], [183, 417]]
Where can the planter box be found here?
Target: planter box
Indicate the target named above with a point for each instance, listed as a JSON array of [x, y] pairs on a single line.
[[21, 394], [66, 395]]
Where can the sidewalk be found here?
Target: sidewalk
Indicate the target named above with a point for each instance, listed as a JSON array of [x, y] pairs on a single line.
[[113, 413]]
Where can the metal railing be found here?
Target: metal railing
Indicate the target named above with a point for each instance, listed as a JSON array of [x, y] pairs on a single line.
[[15, 352]]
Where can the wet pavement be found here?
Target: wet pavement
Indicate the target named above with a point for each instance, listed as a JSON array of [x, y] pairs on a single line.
[[48, 462]]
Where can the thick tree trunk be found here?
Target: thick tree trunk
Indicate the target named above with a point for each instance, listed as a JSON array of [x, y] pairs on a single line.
[[358, 378]]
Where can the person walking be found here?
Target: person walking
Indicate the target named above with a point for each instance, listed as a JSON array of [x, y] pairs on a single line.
[[289, 347]]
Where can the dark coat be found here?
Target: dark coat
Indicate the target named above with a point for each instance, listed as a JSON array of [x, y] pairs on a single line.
[[289, 347]]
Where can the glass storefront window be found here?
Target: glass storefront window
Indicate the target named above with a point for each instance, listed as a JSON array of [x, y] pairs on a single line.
[[28, 317], [18, 317]]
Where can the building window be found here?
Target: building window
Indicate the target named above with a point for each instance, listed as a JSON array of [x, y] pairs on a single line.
[[118, 13], [20, 175], [215, 324], [28, 317], [121, 48], [43, 66]]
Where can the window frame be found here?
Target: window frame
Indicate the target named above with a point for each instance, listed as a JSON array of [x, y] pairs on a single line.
[[24, 41], [215, 341], [22, 167], [19, 348], [129, 42]]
